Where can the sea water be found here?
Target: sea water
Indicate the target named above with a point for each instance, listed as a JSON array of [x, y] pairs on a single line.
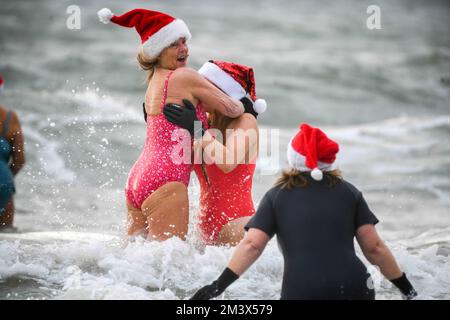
[[382, 94]]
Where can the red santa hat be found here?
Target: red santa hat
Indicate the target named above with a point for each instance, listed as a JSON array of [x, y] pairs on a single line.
[[311, 150], [234, 79], [157, 30]]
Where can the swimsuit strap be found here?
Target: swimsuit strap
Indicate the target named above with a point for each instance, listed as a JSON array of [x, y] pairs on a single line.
[[6, 125], [163, 101]]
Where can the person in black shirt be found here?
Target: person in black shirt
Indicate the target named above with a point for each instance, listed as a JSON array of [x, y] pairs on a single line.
[[316, 215]]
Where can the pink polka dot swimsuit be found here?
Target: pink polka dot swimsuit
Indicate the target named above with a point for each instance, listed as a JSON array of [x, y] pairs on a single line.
[[155, 166]]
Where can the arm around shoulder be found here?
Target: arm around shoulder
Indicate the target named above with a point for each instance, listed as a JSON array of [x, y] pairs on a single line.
[[211, 97]]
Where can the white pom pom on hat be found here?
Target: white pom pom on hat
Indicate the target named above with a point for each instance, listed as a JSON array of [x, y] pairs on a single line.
[[311, 150], [317, 174], [260, 106], [236, 80], [105, 15]]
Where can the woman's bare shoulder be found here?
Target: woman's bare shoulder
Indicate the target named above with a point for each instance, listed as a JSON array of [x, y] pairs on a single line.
[[246, 121], [185, 74]]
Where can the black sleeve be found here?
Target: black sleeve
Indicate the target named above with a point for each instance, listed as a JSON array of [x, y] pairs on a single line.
[[264, 218], [363, 214]]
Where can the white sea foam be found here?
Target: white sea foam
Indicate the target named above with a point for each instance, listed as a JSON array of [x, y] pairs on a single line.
[[47, 155], [98, 266], [97, 107]]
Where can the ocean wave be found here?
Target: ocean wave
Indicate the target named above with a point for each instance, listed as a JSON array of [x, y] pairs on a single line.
[[46, 152], [108, 268], [97, 107]]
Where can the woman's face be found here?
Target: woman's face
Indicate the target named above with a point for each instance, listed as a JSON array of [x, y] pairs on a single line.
[[175, 56]]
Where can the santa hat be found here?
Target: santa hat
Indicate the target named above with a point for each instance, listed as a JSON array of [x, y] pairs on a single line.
[[311, 150], [2, 83], [234, 79], [157, 30]]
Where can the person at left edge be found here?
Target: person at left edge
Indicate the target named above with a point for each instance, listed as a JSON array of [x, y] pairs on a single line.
[[12, 160]]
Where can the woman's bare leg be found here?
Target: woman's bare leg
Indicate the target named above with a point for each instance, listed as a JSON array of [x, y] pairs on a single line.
[[7, 217], [167, 212], [137, 222], [232, 233]]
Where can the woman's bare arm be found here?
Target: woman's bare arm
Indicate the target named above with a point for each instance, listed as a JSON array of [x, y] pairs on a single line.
[[211, 97], [248, 250], [377, 252]]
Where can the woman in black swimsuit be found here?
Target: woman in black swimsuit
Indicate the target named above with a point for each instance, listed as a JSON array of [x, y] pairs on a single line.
[[315, 215]]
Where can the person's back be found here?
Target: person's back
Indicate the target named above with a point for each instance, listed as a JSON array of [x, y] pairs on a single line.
[[315, 228], [226, 175]]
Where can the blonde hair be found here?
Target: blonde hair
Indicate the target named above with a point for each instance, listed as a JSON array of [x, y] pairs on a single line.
[[147, 64], [218, 121], [294, 178]]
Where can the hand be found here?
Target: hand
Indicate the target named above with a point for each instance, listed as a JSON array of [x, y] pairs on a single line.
[[410, 296], [183, 117], [248, 106], [207, 292], [405, 287], [217, 287]]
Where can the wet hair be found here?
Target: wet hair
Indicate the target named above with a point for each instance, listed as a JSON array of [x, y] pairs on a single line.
[[219, 121], [147, 64], [294, 178]]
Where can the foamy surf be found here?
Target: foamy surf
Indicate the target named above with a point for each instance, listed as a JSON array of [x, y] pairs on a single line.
[[78, 265]]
